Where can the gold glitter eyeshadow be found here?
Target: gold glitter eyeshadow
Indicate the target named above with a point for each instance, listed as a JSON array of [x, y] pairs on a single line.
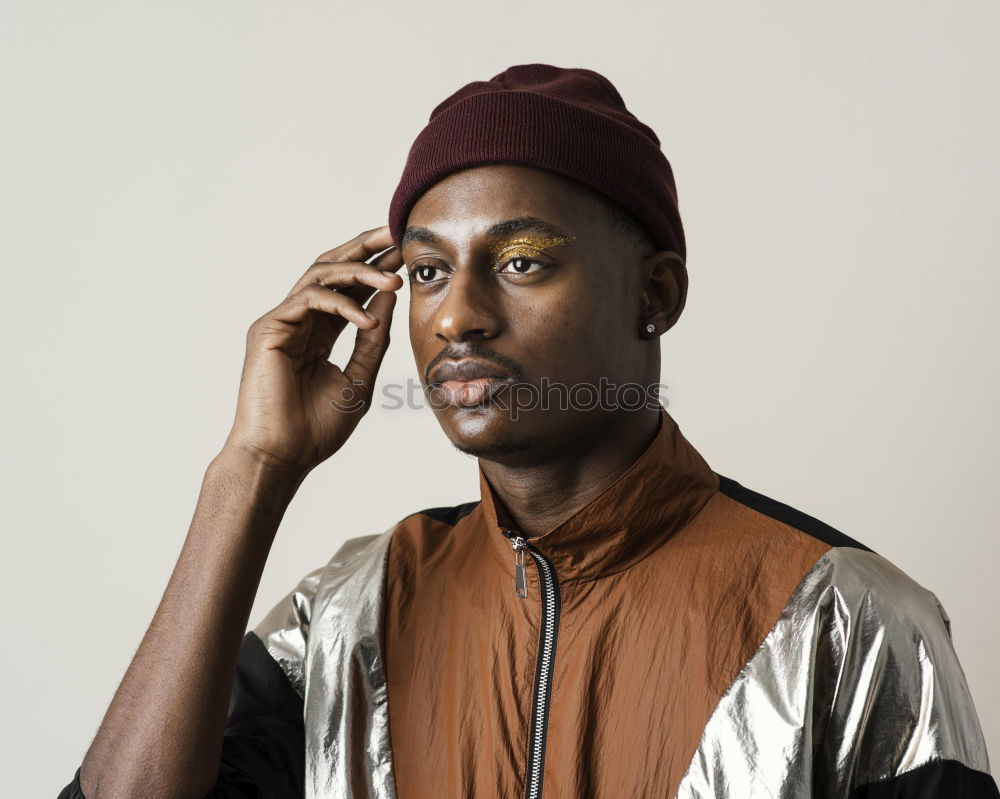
[[526, 244]]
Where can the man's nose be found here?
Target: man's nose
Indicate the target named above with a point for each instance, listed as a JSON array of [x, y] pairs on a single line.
[[469, 307]]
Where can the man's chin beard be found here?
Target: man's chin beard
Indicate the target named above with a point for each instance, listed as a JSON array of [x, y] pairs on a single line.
[[496, 445], [494, 451]]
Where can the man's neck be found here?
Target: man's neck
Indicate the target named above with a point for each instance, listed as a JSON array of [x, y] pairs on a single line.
[[540, 496]]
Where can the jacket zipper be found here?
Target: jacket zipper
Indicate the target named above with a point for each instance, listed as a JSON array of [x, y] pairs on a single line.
[[546, 655]]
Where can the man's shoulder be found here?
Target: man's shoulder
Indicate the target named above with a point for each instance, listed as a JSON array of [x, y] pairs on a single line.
[[361, 552], [420, 533], [350, 570], [446, 515], [833, 566], [868, 591], [780, 514]]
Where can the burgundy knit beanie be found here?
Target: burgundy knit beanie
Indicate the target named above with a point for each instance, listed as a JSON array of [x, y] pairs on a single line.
[[572, 121]]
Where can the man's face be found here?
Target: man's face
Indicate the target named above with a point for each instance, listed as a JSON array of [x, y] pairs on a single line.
[[547, 293]]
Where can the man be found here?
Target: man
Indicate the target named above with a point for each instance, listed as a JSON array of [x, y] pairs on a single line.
[[611, 618]]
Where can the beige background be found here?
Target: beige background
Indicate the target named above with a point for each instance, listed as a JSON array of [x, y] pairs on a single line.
[[170, 169]]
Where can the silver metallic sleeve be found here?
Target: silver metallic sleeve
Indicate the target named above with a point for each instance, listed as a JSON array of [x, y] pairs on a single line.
[[857, 682], [326, 635], [285, 629]]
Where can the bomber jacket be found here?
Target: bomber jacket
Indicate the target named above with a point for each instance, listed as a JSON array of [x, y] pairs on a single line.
[[680, 635]]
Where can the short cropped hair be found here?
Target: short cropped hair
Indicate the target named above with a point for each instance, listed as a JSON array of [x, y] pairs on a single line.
[[621, 221]]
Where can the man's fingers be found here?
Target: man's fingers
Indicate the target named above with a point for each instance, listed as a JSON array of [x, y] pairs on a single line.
[[320, 298], [370, 344], [337, 284], [388, 261], [361, 247], [359, 250], [349, 275]]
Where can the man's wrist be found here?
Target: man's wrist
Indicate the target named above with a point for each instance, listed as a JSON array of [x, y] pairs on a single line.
[[256, 472]]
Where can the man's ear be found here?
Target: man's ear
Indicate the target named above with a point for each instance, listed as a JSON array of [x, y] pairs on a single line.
[[665, 285]]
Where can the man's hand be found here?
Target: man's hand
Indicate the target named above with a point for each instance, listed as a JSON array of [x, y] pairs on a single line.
[[295, 408], [163, 734]]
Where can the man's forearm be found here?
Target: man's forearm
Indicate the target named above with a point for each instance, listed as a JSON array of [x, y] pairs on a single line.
[[162, 734]]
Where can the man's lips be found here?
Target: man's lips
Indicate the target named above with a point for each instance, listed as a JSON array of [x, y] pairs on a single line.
[[471, 392], [465, 369], [467, 381]]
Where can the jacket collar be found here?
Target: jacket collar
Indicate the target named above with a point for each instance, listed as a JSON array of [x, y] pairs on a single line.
[[649, 502]]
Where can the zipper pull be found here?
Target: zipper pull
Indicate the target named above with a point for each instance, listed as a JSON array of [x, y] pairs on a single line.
[[520, 580]]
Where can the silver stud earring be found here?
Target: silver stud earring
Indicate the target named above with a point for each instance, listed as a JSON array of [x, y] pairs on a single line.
[[650, 327]]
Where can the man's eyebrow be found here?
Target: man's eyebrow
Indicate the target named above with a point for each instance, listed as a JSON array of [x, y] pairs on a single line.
[[418, 234], [527, 224], [509, 227]]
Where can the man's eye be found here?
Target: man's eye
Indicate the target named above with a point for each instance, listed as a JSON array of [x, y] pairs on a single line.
[[522, 265], [423, 273]]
